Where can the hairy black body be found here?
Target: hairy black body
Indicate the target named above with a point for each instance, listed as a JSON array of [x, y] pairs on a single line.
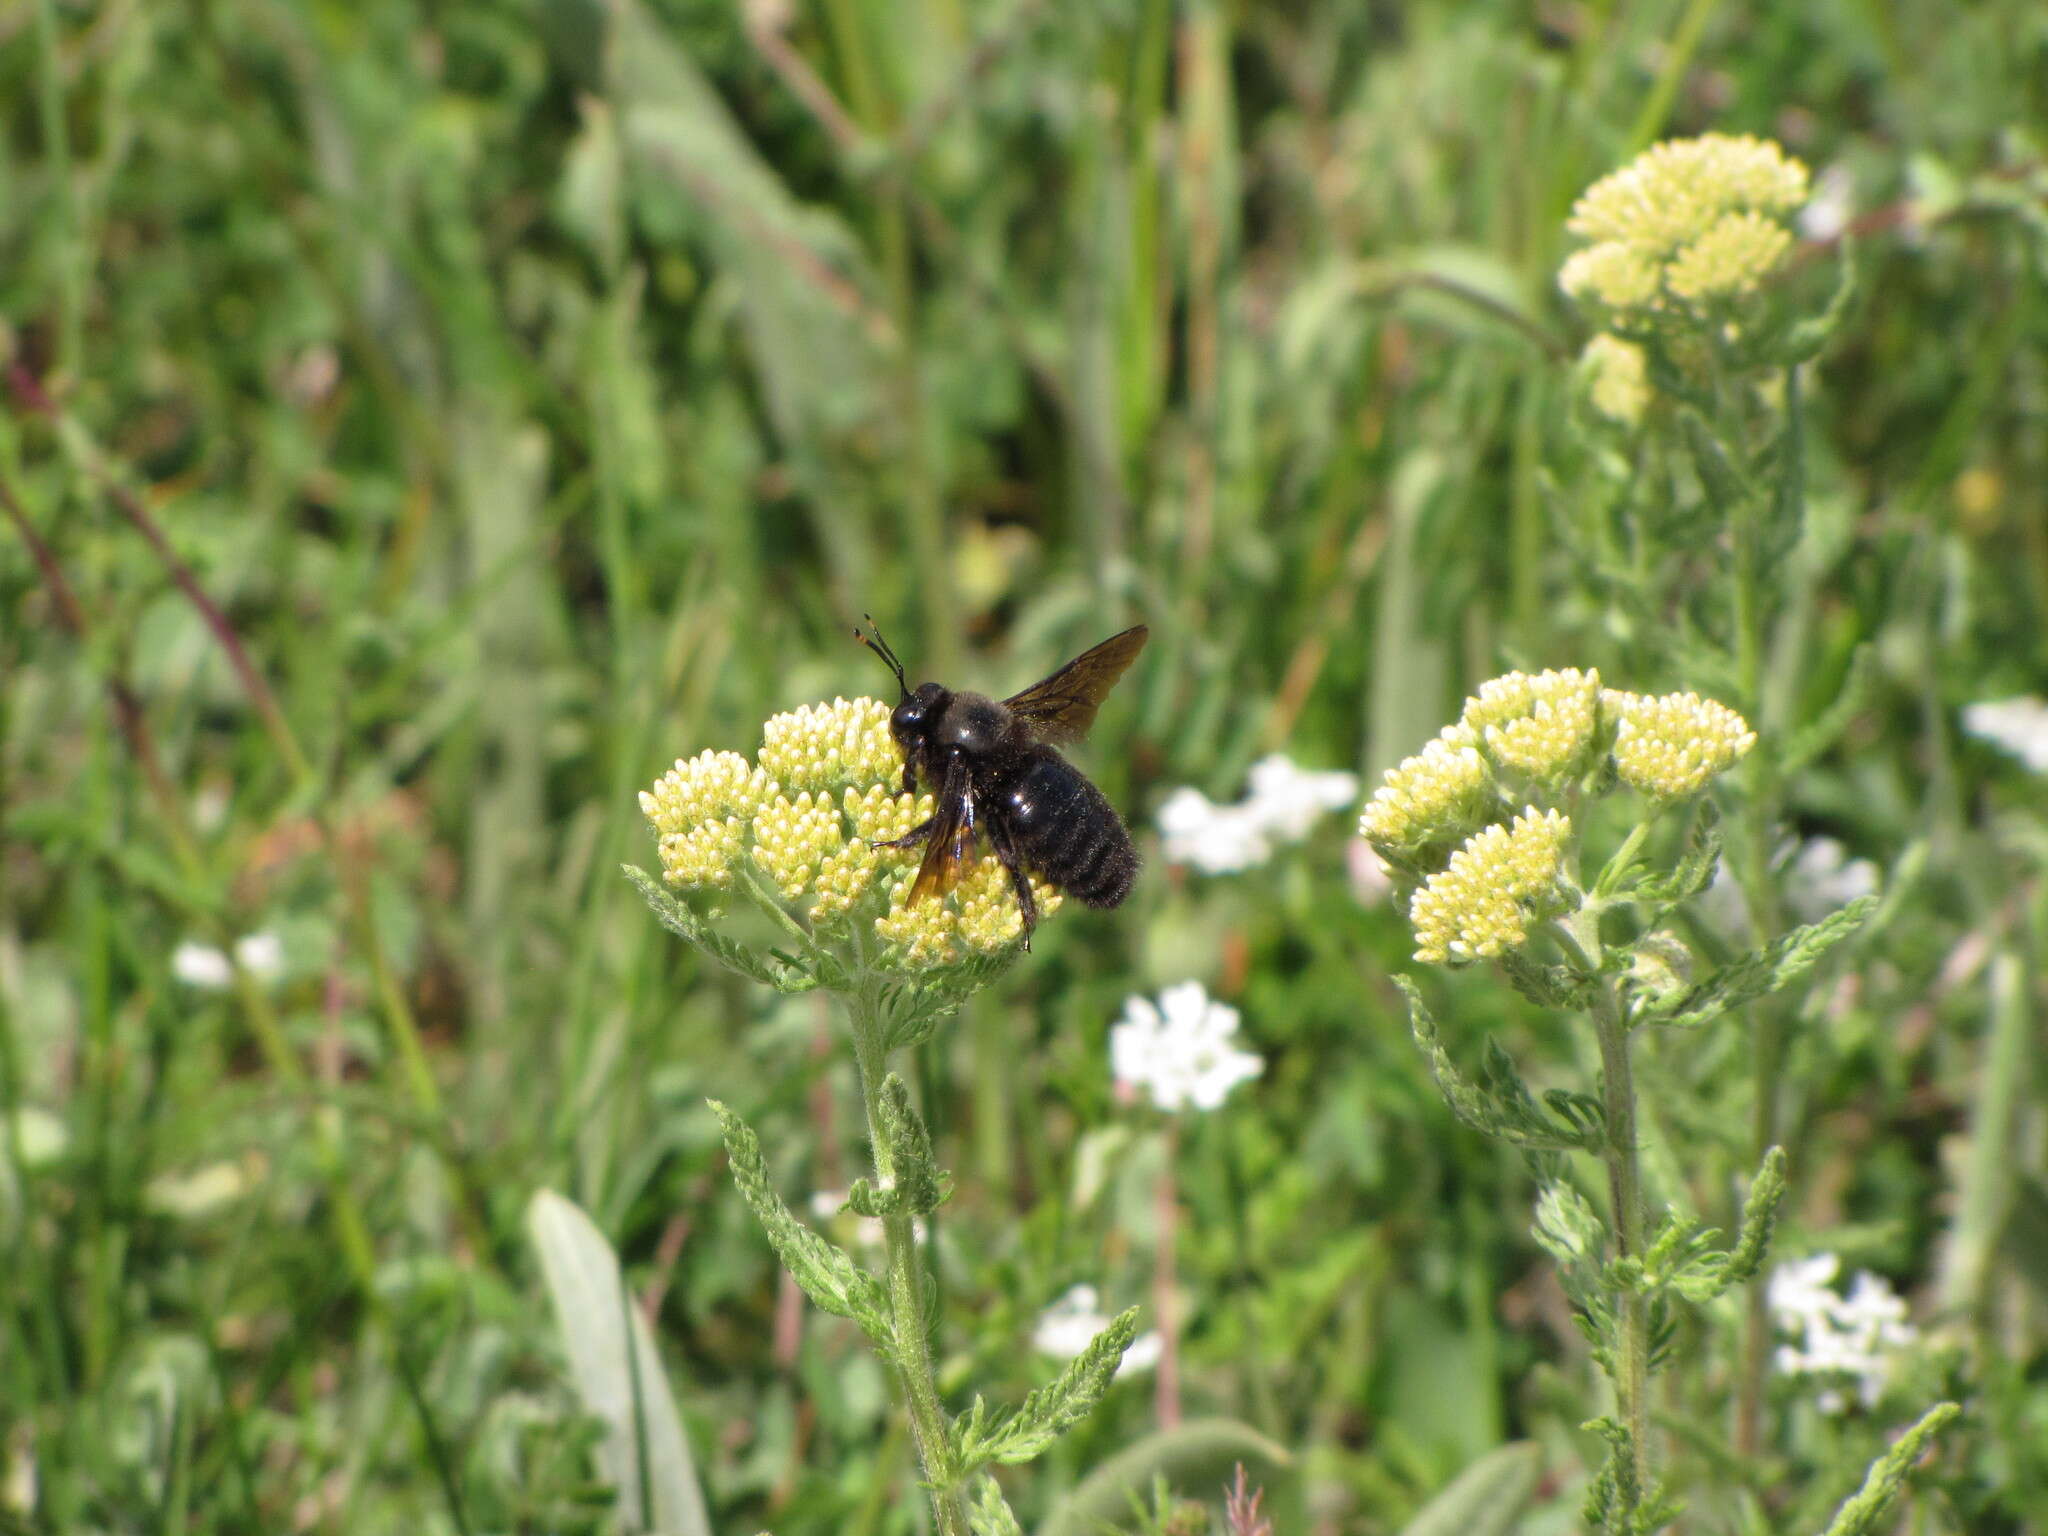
[[993, 770]]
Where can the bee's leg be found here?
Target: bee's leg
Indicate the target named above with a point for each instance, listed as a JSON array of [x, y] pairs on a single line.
[[909, 777], [913, 837], [1027, 904]]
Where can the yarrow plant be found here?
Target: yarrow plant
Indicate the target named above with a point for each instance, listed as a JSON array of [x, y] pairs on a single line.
[[1486, 830], [785, 878], [1858, 1338]]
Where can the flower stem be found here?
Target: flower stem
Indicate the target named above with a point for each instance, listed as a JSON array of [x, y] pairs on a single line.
[[1625, 1188], [912, 1343]]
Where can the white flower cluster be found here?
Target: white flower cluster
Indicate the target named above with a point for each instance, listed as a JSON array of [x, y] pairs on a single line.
[[1180, 1051], [203, 966], [1283, 802], [2018, 726], [1858, 1336], [1070, 1325]]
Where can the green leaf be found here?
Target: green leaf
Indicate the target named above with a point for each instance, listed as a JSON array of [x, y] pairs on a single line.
[[1198, 1454], [1486, 1499], [1502, 1107], [1860, 1513], [1694, 871], [826, 1274], [990, 1514], [1807, 339], [780, 973], [617, 1373], [1048, 1412], [1768, 970]]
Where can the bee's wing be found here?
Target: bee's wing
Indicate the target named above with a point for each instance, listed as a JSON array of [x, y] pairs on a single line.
[[1061, 708], [951, 844]]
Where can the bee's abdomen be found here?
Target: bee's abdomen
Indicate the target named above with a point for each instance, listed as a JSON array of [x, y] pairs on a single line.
[[1067, 832]]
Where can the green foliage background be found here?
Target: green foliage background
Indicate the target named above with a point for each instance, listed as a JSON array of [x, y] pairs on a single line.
[[540, 387]]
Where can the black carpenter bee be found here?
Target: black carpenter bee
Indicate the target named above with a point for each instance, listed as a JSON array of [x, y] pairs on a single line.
[[993, 769]]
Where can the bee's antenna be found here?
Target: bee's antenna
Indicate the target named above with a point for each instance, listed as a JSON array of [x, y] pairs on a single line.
[[873, 641]]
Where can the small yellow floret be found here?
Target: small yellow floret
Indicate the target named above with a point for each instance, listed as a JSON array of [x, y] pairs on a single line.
[[1614, 273], [1618, 378], [1737, 254], [832, 746], [876, 815], [990, 918], [699, 809], [1670, 746], [1673, 192], [792, 837], [1541, 725], [921, 931], [1439, 793], [1478, 906]]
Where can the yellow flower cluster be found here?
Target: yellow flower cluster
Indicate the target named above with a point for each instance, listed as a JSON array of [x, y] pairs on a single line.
[[1441, 791], [831, 746], [1541, 725], [1617, 378], [1479, 905], [1671, 745], [700, 810], [827, 791], [982, 916], [1685, 223]]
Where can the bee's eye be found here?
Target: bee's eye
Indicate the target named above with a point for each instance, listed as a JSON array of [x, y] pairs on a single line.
[[908, 716]]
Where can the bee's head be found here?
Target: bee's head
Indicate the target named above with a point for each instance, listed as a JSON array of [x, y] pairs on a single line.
[[911, 719]]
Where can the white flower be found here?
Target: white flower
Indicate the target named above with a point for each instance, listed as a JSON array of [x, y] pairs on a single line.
[[1282, 804], [1371, 881], [2020, 726], [1070, 1325], [1827, 216], [1216, 839], [201, 965], [260, 954], [1180, 1051], [1288, 799], [1859, 1336]]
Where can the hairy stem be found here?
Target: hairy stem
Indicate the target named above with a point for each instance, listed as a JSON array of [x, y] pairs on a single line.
[[1625, 1189], [912, 1342]]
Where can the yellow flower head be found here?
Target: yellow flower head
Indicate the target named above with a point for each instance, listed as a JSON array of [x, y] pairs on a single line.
[[700, 809], [1690, 220], [1440, 793], [831, 746], [1617, 378], [810, 819], [1670, 746], [1736, 254], [1480, 904], [1541, 725]]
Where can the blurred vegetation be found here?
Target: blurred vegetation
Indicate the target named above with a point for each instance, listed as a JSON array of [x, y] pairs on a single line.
[[540, 387]]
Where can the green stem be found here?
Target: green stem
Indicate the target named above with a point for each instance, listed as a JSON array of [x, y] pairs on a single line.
[[1625, 1189], [912, 1342]]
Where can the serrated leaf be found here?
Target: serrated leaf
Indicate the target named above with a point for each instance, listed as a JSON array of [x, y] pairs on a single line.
[[990, 1514], [1694, 871], [779, 973], [1762, 972], [1501, 1107], [1050, 1410], [1487, 1498], [617, 1373], [1196, 1455], [1860, 1513], [830, 1278]]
